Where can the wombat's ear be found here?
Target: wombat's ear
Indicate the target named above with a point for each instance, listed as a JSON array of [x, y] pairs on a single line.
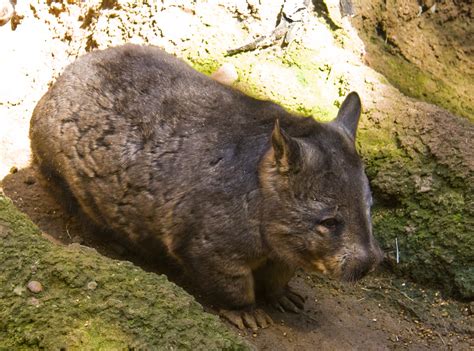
[[349, 113], [285, 149]]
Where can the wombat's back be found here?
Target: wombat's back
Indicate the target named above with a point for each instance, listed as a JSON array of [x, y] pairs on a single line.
[[132, 131]]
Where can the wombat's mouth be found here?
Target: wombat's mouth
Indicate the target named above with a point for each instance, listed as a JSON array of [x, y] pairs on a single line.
[[326, 268], [349, 272], [356, 270]]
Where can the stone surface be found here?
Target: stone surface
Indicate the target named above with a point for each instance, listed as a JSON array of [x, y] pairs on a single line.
[[128, 308]]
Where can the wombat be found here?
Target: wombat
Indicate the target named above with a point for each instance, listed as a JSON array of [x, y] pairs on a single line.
[[238, 191]]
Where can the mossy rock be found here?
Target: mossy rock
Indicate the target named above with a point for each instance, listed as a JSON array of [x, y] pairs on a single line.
[[91, 302], [424, 192]]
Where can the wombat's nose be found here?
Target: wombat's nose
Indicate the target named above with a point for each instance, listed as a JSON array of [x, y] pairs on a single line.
[[364, 260], [376, 256], [378, 253]]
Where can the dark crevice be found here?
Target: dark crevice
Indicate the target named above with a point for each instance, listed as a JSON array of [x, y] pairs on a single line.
[[384, 200], [321, 9]]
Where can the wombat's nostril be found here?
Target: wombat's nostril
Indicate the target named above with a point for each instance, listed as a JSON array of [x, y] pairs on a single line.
[[364, 261], [379, 254]]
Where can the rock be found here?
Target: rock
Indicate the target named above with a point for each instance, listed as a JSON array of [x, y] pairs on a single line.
[[92, 285], [171, 318], [226, 74], [35, 286], [19, 290]]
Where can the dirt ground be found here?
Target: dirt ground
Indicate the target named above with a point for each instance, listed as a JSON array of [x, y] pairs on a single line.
[[380, 313]]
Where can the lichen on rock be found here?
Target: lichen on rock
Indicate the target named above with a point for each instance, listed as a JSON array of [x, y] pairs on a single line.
[[127, 308]]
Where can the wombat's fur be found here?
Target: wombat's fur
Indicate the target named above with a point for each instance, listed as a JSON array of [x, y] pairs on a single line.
[[237, 190]]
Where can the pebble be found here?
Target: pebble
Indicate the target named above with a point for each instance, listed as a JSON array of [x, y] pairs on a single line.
[[19, 290], [34, 268], [226, 74], [92, 285], [35, 286]]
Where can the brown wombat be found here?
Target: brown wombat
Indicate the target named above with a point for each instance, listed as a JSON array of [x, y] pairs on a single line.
[[238, 191]]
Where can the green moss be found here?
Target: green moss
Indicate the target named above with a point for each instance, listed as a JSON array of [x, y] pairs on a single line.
[[427, 214], [203, 64], [417, 83], [375, 143], [293, 79], [92, 302]]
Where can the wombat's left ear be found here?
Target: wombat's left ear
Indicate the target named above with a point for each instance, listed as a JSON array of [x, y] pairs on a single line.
[[349, 113], [285, 149]]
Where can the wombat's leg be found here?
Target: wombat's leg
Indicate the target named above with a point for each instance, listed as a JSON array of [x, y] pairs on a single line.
[[272, 281], [60, 191], [231, 285], [252, 319], [289, 300], [56, 186]]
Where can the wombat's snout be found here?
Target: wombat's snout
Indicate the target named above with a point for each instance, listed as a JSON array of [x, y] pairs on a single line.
[[379, 254], [364, 261]]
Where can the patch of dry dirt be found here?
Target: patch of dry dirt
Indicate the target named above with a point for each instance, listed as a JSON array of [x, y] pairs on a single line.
[[380, 313]]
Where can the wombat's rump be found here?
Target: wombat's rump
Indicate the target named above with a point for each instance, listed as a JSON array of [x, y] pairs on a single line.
[[238, 191]]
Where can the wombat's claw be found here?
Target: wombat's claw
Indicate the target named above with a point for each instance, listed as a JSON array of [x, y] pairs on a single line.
[[252, 319], [290, 301]]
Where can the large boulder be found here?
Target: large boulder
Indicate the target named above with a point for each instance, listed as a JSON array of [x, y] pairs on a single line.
[[54, 297]]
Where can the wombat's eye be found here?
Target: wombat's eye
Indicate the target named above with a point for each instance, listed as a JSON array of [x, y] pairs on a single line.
[[329, 223]]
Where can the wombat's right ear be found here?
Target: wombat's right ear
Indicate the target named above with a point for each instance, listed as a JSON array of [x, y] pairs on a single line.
[[349, 113], [285, 149]]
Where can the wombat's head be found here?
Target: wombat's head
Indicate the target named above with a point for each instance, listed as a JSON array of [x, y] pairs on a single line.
[[317, 196]]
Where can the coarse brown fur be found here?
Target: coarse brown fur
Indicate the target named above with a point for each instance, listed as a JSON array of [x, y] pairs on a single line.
[[237, 190]]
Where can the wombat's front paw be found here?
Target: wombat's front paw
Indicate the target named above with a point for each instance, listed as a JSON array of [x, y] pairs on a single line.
[[253, 319], [290, 301]]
